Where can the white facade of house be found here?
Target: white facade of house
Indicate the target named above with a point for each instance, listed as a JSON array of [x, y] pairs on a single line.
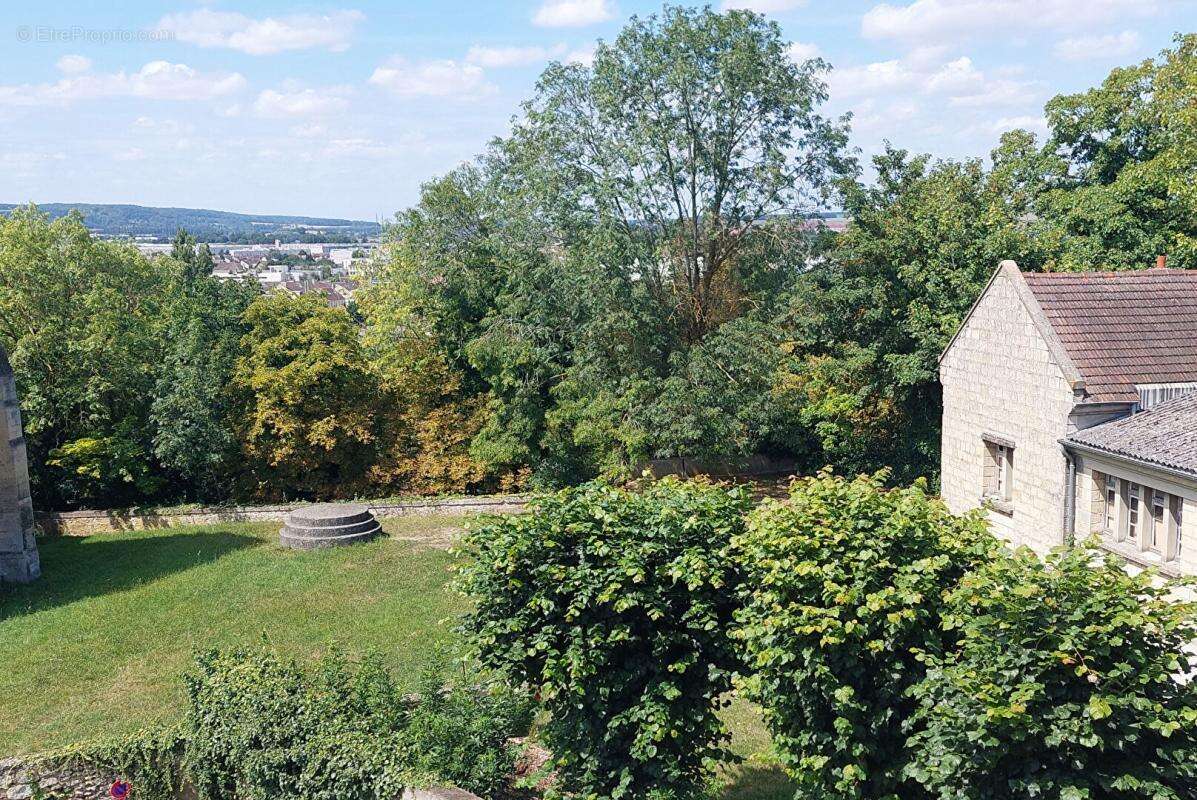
[[1002, 384], [1011, 396]]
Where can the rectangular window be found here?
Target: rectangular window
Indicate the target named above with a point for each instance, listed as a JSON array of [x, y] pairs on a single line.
[[999, 473], [1178, 523], [1132, 513], [1158, 533], [1111, 504], [1000, 454]]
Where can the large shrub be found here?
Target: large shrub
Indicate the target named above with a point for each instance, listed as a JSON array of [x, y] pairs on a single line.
[[1063, 686], [843, 586], [616, 605], [260, 727]]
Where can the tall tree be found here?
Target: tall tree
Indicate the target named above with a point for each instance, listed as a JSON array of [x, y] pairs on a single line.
[[194, 414], [1122, 190], [81, 320], [872, 319], [688, 133], [310, 428]]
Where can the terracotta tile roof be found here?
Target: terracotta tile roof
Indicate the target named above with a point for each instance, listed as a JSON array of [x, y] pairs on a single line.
[[1166, 435], [1123, 328]]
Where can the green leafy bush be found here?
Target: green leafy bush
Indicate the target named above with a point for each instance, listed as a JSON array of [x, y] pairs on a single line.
[[260, 727], [1063, 686], [616, 605], [459, 731], [843, 585]]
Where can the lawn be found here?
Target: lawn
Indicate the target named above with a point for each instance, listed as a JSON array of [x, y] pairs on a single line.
[[97, 645]]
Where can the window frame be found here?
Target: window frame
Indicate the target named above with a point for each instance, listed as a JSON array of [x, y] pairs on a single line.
[[1134, 513], [997, 492], [1110, 505], [1156, 543]]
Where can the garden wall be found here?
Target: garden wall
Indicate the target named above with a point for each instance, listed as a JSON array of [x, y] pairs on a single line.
[[21, 780], [84, 523]]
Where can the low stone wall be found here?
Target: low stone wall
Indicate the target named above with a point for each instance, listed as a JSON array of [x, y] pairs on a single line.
[[85, 523], [20, 779]]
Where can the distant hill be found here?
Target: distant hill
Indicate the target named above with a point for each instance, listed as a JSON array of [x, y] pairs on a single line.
[[205, 224]]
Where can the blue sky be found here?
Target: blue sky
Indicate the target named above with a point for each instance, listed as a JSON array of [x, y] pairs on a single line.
[[344, 109]]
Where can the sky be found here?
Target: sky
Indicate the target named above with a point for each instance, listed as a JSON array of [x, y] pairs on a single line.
[[344, 109]]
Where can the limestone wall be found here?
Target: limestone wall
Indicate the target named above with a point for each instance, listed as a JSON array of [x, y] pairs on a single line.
[[18, 548], [999, 378], [21, 779]]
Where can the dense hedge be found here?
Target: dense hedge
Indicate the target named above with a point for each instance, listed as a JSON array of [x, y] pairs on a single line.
[[843, 588], [1064, 686], [616, 606]]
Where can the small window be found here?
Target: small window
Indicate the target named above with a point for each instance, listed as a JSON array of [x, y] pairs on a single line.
[[1132, 513], [999, 473], [1159, 522], [1110, 512], [1002, 454]]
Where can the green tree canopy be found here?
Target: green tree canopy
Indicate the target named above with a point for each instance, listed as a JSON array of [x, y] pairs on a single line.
[[310, 428]]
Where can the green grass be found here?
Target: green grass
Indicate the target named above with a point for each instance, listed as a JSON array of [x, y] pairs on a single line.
[[97, 646]]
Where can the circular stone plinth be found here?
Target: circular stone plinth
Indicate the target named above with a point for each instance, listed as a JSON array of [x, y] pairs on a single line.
[[328, 525]]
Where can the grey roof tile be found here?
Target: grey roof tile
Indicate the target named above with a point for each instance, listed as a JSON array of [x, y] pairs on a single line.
[[1165, 435]]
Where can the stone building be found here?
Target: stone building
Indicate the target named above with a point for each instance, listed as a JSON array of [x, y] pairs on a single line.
[[1070, 409], [18, 549]]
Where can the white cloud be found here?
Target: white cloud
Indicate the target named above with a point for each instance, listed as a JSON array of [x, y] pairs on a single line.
[[157, 80], [129, 154], [954, 77], [582, 55], [309, 130], [942, 20], [161, 127], [868, 79], [370, 148], [763, 6], [1029, 122], [300, 102], [495, 57], [229, 29], [1081, 48], [73, 64], [925, 72], [443, 78], [802, 51], [573, 13], [163, 80]]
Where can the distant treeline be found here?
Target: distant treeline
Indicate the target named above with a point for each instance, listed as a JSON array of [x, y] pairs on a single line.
[[206, 225]]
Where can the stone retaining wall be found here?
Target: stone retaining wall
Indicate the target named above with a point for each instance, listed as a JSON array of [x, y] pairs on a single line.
[[19, 779], [84, 523]]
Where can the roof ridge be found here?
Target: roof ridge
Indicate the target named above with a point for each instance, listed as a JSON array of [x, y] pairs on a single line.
[[1113, 273]]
